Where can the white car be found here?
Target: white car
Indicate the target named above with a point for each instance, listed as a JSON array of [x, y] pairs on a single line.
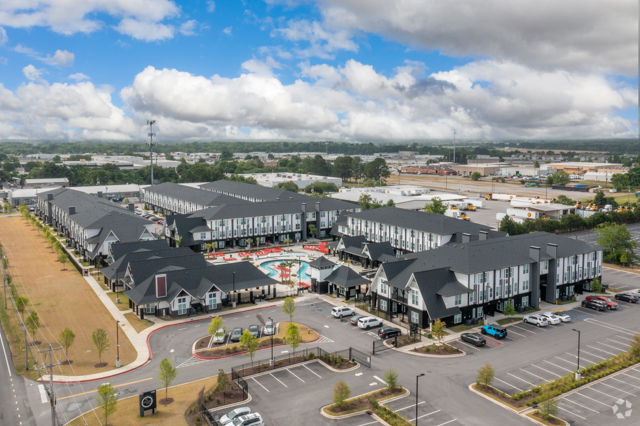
[[219, 337], [564, 317], [551, 317], [269, 329], [253, 419], [368, 322], [342, 311], [535, 319], [228, 418]]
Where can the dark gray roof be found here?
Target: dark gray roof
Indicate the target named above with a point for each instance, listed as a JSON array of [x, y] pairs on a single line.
[[185, 223], [430, 283], [322, 262], [380, 251], [346, 277], [200, 228], [342, 220], [120, 249], [420, 221], [193, 195], [353, 244], [125, 229], [200, 280], [119, 267], [457, 237], [241, 189], [453, 288], [140, 270]]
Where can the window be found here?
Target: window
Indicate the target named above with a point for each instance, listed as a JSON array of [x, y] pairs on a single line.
[[525, 269], [525, 285], [457, 300], [149, 308], [415, 317], [213, 302], [182, 305], [457, 318], [383, 305], [545, 264], [414, 297], [203, 236]]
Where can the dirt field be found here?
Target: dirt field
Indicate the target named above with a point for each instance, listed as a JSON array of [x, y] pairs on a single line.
[[62, 299]]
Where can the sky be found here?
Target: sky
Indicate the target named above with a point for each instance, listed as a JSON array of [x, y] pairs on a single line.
[[352, 70]]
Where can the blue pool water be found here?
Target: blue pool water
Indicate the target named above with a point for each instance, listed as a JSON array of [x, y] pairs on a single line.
[[273, 272]]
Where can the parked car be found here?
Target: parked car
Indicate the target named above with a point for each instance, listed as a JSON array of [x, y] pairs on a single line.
[[342, 311], [269, 329], [368, 322], [494, 330], [535, 319], [160, 222], [473, 338], [253, 419], [563, 317], [594, 304], [635, 293], [228, 418], [551, 317], [610, 303], [235, 334], [387, 332], [626, 297], [219, 336], [354, 319], [254, 330]]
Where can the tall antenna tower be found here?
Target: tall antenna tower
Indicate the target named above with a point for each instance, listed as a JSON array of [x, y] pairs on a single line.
[[151, 145], [454, 146]]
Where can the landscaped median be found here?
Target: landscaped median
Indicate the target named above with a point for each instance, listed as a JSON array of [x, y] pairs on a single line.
[[368, 402]]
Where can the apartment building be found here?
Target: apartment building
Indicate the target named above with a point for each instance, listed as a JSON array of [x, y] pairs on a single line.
[[90, 223], [407, 230], [171, 198], [465, 281]]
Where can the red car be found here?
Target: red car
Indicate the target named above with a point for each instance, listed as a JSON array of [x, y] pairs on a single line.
[[610, 303]]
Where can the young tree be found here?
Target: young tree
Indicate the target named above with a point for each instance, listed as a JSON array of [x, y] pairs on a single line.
[[313, 231], [215, 326], [250, 343], [63, 258], [224, 384], [618, 240], [292, 336], [485, 375], [341, 392], [508, 308], [287, 241], [66, 339], [437, 329], [391, 378], [282, 266], [209, 247], [107, 400], [289, 307], [179, 242], [635, 345], [101, 342], [166, 375], [125, 201], [21, 305], [596, 285], [435, 206], [549, 405], [33, 323], [476, 176], [536, 165], [249, 241]]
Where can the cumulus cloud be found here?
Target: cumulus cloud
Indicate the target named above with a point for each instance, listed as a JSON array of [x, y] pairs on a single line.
[[189, 27], [211, 6], [61, 58], [3, 36], [322, 43], [261, 67], [74, 16], [79, 76], [227, 30], [32, 73], [572, 34]]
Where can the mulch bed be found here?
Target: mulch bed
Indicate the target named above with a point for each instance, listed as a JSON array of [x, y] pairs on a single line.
[[403, 341], [232, 348], [203, 343], [101, 364], [66, 362], [551, 420], [504, 398], [363, 403], [214, 399], [166, 401], [438, 350]]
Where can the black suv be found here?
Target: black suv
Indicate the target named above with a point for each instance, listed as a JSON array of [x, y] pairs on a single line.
[[627, 297], [597, 305], [473, 338], [388, 332]]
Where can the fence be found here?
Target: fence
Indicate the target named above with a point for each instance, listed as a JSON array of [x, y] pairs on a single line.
[[379, 346]]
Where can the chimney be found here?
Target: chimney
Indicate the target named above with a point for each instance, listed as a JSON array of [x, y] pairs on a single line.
[[99, 194], [534, 253], [131, 207], [317, 206], [49, 197], [304, 207], [277, 199], [72, 210], [552, 250], [482, 236], [465, 238]]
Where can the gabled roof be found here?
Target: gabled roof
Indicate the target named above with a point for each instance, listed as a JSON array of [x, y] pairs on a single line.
[[453, 288], [353, 244], [192, 195], [380, 251], [120, 249], [119, 267], [322, 262], [346, 277], [141, 269], [430, 283]]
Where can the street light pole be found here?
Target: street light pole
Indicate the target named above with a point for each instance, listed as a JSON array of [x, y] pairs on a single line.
[[235, 295], [578, 371], [417, 377], [117, 344], [273, 330]]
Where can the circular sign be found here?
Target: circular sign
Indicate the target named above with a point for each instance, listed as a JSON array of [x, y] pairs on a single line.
[[146, 402]]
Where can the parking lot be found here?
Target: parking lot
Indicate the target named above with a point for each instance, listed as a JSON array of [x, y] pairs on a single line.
[[428, 414]]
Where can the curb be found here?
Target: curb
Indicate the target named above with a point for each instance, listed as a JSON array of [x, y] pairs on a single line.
[[335, 370], [357, 413], [413, 352]]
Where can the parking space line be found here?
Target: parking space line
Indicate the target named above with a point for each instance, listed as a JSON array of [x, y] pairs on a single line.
[[509, 338], [612, 327], [517, 334], [620, 343], [570, 412], [523, 329], [612, 347], [606, 352], [584, 311], [260, 384], [568, 362], [278, 380], [633, 377], [445, 423], [295, 376], [534, 375], [529, 383], [629, 384], [580, 405], [612, 387], [425, 415], [312, 371], [380, 380], [370, 423], [508, 384], [466, 344], [551, 372], [593, 355], [561, 368], [588, 397], [606, 394], [412, 405]]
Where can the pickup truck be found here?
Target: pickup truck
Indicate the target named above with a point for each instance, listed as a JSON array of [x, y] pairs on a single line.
[[610, 303]]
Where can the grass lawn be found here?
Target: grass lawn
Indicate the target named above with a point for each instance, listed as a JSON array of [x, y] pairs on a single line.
[[124, 300], [461, 327], [62, 298], [170, 415], [509, 320], [138, 324]]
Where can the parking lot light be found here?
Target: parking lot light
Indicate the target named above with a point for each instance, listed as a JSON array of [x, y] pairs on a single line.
[[578, 371], [417, 377], [273, 330]]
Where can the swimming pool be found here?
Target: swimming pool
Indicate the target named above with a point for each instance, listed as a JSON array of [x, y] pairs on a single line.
[[271, 266]]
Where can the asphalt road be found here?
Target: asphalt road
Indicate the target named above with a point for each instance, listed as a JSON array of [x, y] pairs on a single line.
[[15, 409]]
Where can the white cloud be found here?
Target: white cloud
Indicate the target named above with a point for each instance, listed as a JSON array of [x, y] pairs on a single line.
[[188, 28], [26, 50], [3, 36], [3, 60], [32, 73], [227, 30], [73, 16], [79, 76], [323, 43], [211, 6], [543, 34], [61, 58], [265, 67], [145, 30]]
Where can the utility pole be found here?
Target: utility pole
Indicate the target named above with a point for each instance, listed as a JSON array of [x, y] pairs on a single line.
[[50, 392], [4, 280], [151, 144], [454, 146]]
